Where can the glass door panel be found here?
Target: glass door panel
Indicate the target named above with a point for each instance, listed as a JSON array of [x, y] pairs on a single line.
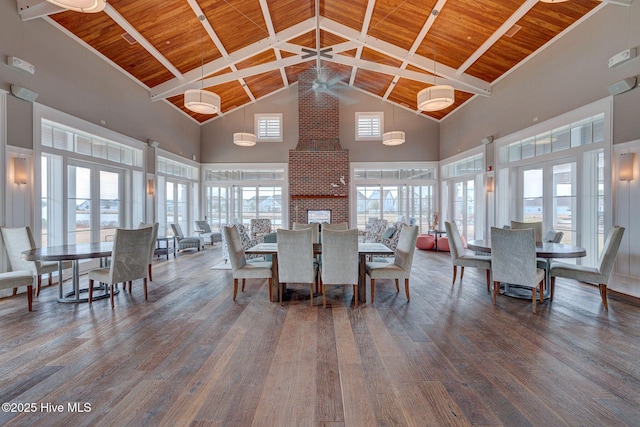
[[532, 192], [110, 204], [79, 206], [565, 201], [470, 209]]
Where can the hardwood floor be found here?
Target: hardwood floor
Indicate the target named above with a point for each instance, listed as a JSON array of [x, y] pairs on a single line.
[[191, 356]]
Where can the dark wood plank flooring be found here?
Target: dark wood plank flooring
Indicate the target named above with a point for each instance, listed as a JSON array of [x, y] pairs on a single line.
[[191, 356]]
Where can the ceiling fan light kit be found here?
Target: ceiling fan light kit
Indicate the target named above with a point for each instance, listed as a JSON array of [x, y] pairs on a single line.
[[84, 6], [202, 101], [395, 137], [436, 98]]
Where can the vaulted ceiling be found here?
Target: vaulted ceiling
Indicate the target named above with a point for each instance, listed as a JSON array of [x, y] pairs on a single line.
[[244, 50]]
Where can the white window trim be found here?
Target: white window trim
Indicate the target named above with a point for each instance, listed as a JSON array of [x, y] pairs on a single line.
[[267, 116], [379, 115]]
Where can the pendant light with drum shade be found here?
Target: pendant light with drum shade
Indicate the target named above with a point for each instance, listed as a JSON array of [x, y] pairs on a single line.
[[244, 139], [395, 137], [199, 100], [84, 6], [436, 97]]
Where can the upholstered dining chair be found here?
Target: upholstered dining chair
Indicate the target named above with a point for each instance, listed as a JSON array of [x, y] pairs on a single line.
[[16, 279], [600, 274], [537, 228], [401, 267], [339, 260], [295, 259], [551, 236], [129, 260], [152, 247], [241, 269], [459, 257], [314, 226], [513, 261], [185, 242], [207, 234], [18, 240], [338, 226]]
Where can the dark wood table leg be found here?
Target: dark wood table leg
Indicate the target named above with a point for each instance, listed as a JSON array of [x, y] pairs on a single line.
[[275, 285], [362, 279]]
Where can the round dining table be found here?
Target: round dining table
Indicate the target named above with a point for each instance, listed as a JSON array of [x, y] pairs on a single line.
[[74, 253], [545, 250]]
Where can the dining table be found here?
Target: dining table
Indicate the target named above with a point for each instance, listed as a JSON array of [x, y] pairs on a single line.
[[544, 250], [365, 249], [73, 253]]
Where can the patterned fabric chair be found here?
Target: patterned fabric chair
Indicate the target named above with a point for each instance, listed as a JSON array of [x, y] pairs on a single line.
[[18, 240], [186, 242], [245, 238], [513, 260], [600, 274], [129, 260], [401, 267], [260, 227], [241, 269], [375, 230]]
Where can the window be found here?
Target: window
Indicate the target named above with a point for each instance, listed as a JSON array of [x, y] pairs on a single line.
[[269, 127], [556, 172], [89, 180], [243, 192], [369, 126], [177, 204], [395, 192]]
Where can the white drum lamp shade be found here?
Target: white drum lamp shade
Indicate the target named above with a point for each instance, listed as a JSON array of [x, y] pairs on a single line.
[[202, 101], [436, 98], [84, 6], [244, 139], [395, 137]]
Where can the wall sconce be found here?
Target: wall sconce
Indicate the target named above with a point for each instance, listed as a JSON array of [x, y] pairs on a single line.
[[19, 170], [625, 166], [150, 187], [490, 184]]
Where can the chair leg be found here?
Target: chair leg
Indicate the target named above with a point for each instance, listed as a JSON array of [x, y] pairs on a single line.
[[235, 288], [355, 293], [324, 296], [542, 288], [488, 280], [603, 295], [397, 285], [50, 279], [455, 272], [144, 283], [373, 289], [39, 285], [150, 275], [496, 289], [15, 291], [243, 282], [461, 272], [111, 296], [90, 291], [406, 288], [281, 291], [30, 297]]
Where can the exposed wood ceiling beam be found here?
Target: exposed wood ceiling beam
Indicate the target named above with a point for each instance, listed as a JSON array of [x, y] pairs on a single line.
[[160, 91], [32, 9], [127, 27], [465, 82], [366, 22], [266, 13], [513, 19]]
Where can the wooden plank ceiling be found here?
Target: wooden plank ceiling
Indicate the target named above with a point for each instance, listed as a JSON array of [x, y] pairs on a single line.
[[249, 49]]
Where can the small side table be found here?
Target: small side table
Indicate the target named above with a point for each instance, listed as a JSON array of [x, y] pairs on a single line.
[[167, 248], [437, 233]]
